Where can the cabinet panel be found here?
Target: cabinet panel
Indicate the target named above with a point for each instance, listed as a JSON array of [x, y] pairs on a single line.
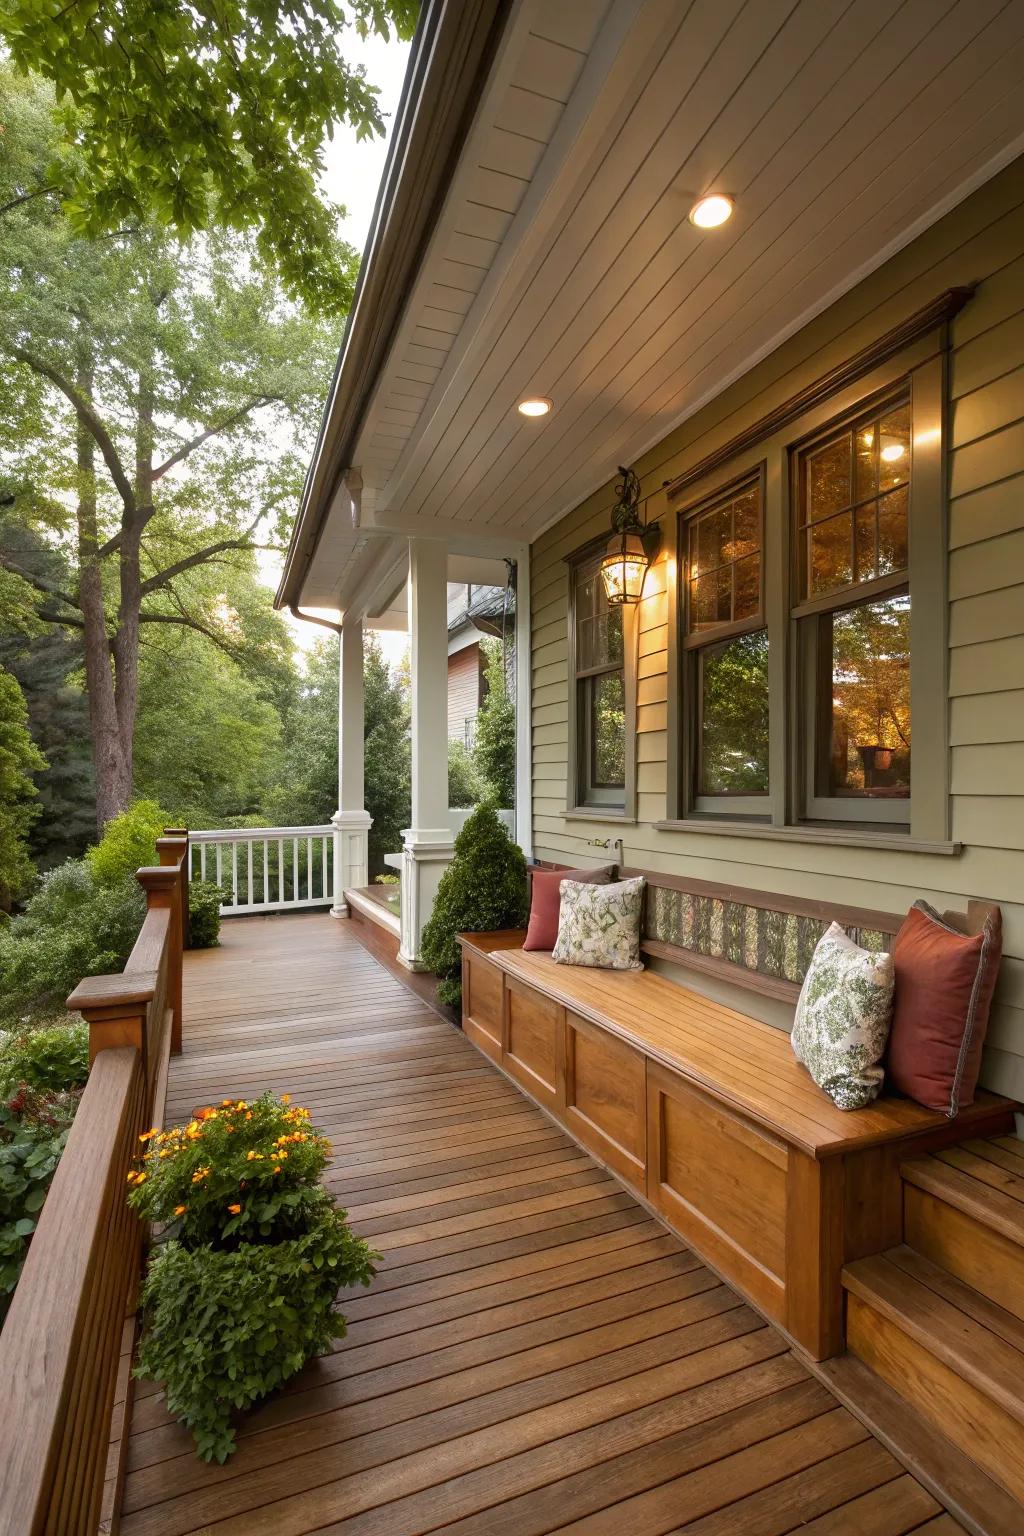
[[533, 1044], [482, 993], [721, 1181], [605, 1097]]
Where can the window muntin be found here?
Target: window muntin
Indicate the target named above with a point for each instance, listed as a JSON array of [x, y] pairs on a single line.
[[864, 657], [724, 562], [854, 491], [600, 691]]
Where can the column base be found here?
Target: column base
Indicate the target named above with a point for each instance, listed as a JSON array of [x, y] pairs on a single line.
[[351, 855], [426, 855]]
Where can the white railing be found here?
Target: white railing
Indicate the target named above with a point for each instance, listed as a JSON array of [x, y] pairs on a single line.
[[266, 869]]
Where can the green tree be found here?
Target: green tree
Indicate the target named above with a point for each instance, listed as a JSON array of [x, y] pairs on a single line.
[[307, 794], [201, 117], [159, 403], [494, 748], [387, 754], [20, 758]]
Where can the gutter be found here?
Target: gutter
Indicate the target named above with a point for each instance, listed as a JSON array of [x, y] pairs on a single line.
[[449, 65]]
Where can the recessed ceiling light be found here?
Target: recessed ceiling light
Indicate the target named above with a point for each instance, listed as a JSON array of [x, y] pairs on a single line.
[[709, 212], [536, 405]]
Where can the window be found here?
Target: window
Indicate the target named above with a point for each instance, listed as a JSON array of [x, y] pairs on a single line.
[[726, 681], [852, 514], [601, 769]]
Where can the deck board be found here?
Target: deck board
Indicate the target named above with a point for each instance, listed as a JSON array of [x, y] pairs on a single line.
[[538, 1352]]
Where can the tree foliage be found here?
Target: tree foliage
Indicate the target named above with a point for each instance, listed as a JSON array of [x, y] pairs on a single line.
[[494, 749], [156, 409], [201, 117], [20, 759]]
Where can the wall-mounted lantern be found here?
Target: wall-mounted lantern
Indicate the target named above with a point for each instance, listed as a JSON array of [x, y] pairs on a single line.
[[632, 546]]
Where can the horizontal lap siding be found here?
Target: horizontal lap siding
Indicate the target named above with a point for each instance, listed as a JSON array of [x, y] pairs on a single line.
[[980, 242]]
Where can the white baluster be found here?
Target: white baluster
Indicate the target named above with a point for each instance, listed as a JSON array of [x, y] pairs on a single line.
[[234, 873], [202, 861], [266, 872], [309, 869]]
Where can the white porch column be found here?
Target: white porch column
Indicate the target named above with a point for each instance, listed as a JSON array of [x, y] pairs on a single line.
[[524, 712], [427, 846], [351, 820]]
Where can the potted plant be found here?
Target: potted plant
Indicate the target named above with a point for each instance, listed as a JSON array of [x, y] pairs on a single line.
[[242, 1292]]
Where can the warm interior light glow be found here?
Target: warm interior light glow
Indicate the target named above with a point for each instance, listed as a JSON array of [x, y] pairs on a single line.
[[893, 452], [867, 439], [624, 567], [711, 211], [535, 406]]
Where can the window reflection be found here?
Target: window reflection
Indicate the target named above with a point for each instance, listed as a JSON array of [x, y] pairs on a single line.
[[869, 674], [734, 716]]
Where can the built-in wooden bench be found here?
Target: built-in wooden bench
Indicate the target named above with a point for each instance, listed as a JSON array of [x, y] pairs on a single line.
[[706, 1113]]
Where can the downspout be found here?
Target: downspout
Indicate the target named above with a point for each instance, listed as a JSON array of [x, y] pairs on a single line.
[[309, 618]]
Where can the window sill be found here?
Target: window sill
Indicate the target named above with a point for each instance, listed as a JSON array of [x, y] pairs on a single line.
[[599, 813], [837, 837]]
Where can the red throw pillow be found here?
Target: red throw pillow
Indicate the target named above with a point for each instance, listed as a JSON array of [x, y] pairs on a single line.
[[944, 985], [545, 901]]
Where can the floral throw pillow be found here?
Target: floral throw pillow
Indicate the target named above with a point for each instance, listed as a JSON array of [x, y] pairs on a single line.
[[600, 925], [843, 1017]]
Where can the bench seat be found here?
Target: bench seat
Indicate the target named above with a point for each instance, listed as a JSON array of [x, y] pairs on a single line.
[[710, 1118]]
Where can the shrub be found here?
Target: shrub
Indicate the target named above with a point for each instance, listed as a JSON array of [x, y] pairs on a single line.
[[128, 842], [464, 786], [483, 888], [71, 928], [225, 1327], [242, 1294], [47, 1059], [204, 903], [30, 1150], [240, 1172]]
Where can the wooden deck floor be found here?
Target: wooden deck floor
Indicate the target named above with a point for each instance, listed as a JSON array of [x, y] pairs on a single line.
[[538, 1353]]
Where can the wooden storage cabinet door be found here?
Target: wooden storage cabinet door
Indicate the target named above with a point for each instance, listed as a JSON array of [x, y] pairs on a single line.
[[533, 1043], [721, 1182], [482, 1002], [606, 1098]]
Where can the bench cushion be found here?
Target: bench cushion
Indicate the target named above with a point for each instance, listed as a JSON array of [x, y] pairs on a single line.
[[740, 1060]]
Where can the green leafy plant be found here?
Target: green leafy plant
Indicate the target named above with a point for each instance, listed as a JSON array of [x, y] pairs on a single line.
[[70, 928], [483, 888], [30, 1150], [204, 904], [225, 1327], [464, 783], [128, 842], [50, 1058], [242, 1293]]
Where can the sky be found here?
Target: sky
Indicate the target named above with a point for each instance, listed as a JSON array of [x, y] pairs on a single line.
[[351, 176]]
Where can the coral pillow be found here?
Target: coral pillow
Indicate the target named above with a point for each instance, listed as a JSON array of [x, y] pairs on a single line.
[[944, 985], [545, 901]]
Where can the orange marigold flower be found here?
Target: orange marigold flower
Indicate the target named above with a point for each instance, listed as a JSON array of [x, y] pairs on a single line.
[[275, 1170], [248, 1114], [148, 1135], [140, 1178], [179, 1210], [286, 1098], [251, 1157], [234, 1209]]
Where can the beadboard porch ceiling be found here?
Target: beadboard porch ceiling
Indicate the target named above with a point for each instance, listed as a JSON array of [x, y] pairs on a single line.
[[563, 264]]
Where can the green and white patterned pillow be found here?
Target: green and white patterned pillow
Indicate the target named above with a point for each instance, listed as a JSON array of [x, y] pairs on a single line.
[[842, 1018], [600, 925]]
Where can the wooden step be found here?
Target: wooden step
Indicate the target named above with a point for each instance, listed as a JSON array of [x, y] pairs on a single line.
[[948, 1350], [980, 1505], [964, 1209]]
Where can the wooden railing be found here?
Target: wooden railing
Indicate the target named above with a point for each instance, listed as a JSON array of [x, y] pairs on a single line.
[[266, 869], [70, 1318]]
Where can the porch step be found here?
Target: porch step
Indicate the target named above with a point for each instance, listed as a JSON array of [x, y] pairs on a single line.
[[950, 1351], [964, 1210]]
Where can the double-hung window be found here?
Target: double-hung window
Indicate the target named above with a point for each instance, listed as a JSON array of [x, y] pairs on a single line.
[[851, 489], [726, 652], [600, 683]]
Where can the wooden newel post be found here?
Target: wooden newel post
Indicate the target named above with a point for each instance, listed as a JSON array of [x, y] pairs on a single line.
[[162, 886], [116, 1009], [171, 848]]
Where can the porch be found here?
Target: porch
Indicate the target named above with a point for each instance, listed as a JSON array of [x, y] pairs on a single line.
[[537, 1351]]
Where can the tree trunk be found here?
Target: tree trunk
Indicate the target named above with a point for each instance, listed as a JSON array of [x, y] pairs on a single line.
[[112, 773]]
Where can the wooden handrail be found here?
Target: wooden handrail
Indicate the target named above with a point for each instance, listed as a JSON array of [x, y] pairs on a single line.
[[60, 1346]]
